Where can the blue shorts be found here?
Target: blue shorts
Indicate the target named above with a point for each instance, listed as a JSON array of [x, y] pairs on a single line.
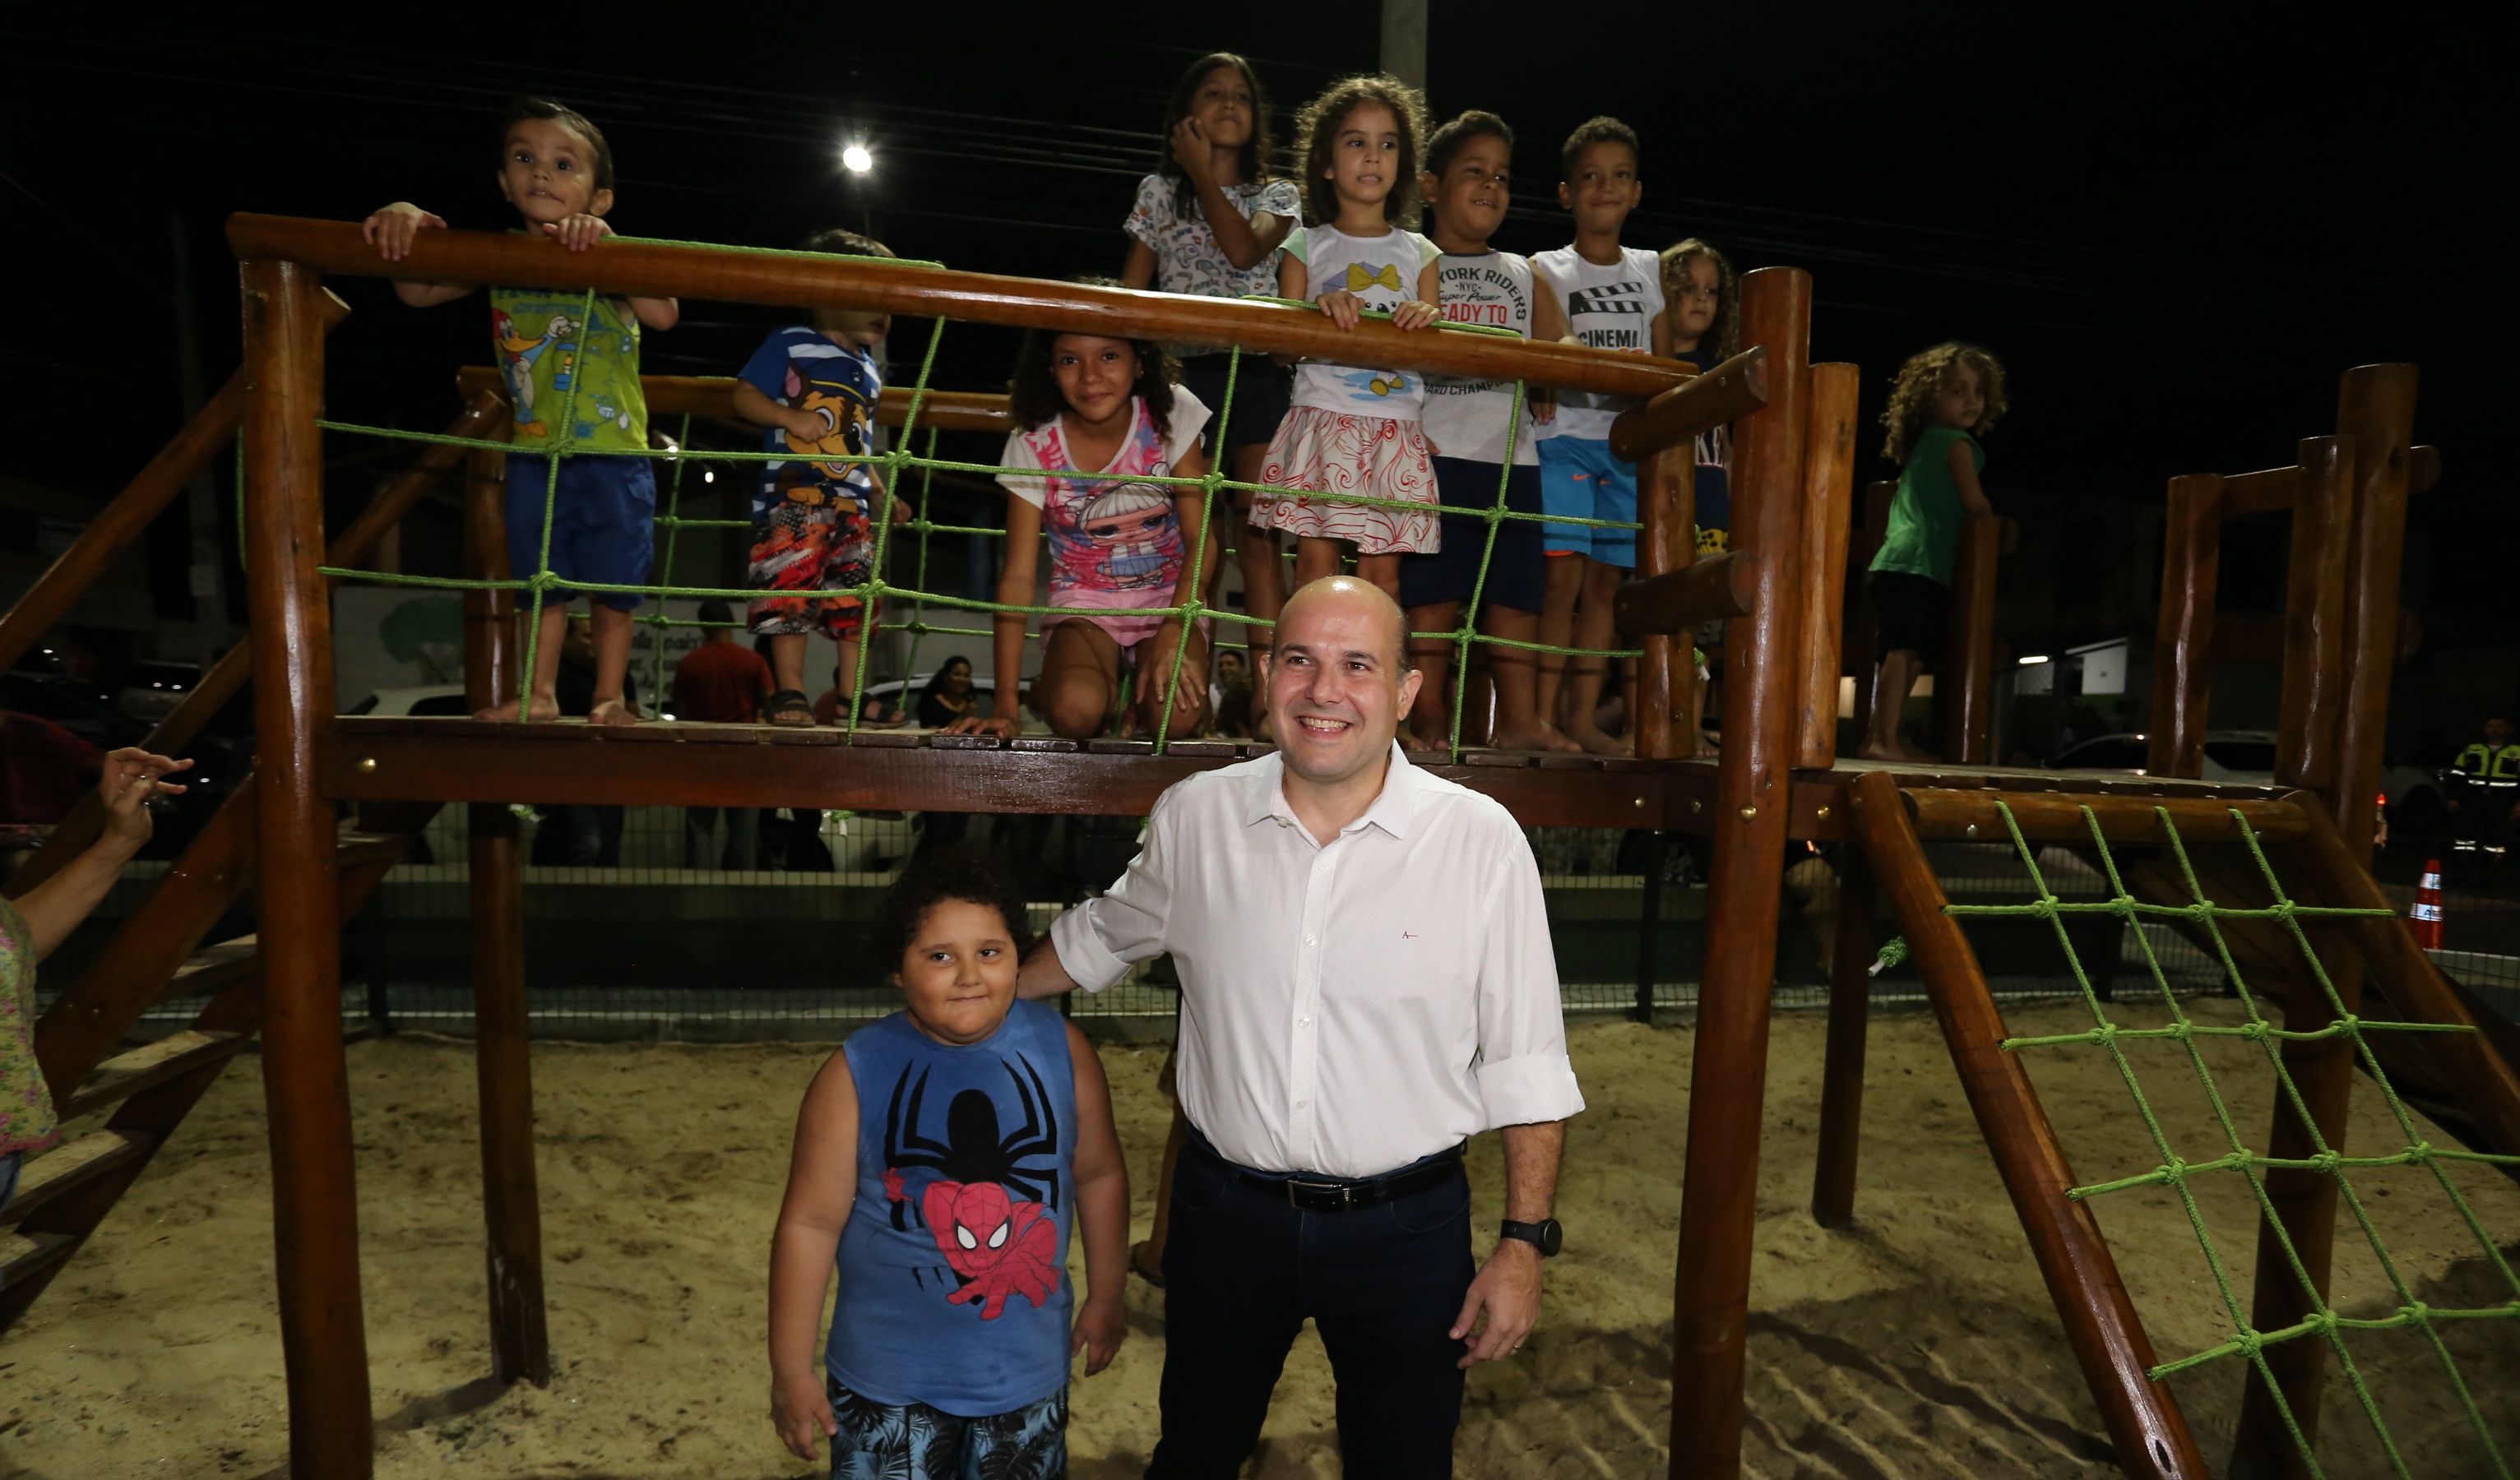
[[1262, 392], [1451, 573], [1580, 480], [922, 1443], [604, 524]]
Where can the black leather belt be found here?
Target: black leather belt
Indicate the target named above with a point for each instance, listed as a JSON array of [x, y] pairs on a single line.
[[1312, 1194]]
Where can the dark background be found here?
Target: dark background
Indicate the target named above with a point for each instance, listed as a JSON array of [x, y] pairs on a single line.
[[2177, 227]]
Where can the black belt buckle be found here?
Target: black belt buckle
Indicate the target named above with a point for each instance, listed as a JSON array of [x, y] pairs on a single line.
[[1335, 1197]]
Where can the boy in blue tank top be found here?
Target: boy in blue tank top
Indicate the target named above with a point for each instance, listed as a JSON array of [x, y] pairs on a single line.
[[942, 1156]]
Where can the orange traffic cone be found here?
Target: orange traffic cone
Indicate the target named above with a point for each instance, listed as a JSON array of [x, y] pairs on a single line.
[[2424, 916]]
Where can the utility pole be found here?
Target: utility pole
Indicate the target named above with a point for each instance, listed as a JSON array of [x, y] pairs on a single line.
[[209, 627], [1403, 41]]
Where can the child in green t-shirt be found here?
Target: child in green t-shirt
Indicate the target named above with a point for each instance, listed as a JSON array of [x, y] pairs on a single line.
[[578, 416], [1942, 398]]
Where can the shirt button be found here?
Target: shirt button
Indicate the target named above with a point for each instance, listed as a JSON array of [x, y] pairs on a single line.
[[1303, 1105], [1308, 940], [1303, 1022]]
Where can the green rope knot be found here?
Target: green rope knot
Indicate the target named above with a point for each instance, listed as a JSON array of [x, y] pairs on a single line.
[[2200, 912], [2421, 1155], [2417, 1311], [2172, 1172], [2331, 1161], [2249, 1341]]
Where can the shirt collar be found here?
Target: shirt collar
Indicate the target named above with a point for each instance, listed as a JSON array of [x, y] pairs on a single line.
[[1394, 809]]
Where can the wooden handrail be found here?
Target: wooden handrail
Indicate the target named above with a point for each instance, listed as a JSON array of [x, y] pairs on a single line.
[[209, 433], [2272, 490], [227, 677], [1718, 588], [1724, 394], [1965, 686], [715, 396], [801, 279], [1829, 503]]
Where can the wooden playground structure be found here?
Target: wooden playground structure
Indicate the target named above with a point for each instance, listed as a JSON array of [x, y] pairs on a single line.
[[1782, 586]]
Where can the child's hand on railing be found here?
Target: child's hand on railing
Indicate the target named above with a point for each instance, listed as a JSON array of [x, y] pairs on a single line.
[[973, 724], [577, 233], [390, 231], [1414, 314], [1341, 305]]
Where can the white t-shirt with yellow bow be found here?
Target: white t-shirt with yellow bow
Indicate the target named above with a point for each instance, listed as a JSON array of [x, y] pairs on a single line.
[[1383, 271]]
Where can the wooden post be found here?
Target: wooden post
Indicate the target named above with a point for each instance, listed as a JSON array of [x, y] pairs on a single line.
[[510, 1197], [2376, 408], [1828, 501], [2144, 1423], [2182, 646], [1729, 1074], [1964, 688], [2314, 663], [1666, 672], [1862, 637], [1850, 1007], [305, 1079]]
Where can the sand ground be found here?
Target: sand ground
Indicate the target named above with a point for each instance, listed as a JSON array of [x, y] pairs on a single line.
[[1920, 1343]]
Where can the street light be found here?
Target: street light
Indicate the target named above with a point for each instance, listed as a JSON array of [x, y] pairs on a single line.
[[856, 157]]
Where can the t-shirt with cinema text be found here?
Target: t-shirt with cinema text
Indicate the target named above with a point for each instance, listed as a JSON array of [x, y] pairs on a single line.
[[1610, 307], [1467, 418]]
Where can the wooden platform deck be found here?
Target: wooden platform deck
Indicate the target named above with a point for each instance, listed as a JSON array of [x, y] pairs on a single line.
[[463, 760]]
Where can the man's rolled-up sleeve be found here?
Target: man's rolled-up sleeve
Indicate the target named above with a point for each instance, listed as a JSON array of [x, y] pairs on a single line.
[[1101, 939], [1524, 1075]]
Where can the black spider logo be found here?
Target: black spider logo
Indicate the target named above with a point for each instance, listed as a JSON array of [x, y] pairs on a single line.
[[972, 1150]]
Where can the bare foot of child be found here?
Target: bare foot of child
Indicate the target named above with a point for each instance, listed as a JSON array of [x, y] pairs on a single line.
[[1592, 740], [1538, 735], [612, 711], [1418, 741], [542, 712], [1707, 750]]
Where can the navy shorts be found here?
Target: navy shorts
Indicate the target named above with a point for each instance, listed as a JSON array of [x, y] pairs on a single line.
[[604, 524], [1261, 396], [1911, 613], [1450, 574], [922, 1443]]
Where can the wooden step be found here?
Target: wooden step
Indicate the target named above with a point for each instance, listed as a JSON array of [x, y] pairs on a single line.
[[24, 1256], [73, 1164], [148, 1066], [351, 848], [213, 968]]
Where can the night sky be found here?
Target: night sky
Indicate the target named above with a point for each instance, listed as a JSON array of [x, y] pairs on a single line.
[[2176, 226]]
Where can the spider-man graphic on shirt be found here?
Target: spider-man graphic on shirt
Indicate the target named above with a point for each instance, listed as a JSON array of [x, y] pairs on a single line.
[[993, 1217]]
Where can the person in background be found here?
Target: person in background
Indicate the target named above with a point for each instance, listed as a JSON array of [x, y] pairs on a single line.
[[579, 836], [1702, 311], [1941, 399], [34, 927], [947, 698], [1208, 223], [1610, 298], [721, 682]]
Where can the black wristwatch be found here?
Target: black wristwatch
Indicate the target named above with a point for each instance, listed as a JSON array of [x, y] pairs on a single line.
[[1544, 1236]]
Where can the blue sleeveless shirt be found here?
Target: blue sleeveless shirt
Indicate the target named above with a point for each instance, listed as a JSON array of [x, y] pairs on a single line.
[[954, 1264]]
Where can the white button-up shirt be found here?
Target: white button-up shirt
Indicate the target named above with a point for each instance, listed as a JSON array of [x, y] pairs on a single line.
[[1347, 1007]]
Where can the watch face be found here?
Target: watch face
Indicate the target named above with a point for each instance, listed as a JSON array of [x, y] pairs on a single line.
[[1550, 1236]]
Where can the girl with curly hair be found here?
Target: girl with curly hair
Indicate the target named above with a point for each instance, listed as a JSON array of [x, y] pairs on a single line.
[[1702, 313], [1093, 416], [1354, 430], [1942, 398]]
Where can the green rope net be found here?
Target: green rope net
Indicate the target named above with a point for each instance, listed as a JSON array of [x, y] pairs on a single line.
[[2175, 1172], [899, 461]]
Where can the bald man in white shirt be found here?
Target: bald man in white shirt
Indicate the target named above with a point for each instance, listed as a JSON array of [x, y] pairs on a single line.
[[1366, 982]]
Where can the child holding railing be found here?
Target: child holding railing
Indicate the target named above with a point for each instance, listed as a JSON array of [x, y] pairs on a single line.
[[1092, 417], [1355, 429], [557, 170], [1942, 398], [1208, 223]]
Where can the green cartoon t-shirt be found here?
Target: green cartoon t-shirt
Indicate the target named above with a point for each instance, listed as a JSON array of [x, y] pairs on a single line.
[[559, 359]]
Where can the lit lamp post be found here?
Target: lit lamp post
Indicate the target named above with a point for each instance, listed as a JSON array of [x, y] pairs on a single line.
[[858, 162]]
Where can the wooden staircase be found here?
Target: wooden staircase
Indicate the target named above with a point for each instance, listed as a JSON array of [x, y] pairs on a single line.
[[158, 955]]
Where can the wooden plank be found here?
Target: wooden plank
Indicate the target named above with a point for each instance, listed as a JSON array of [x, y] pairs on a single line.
[[1718, 588], [714, 396], [1750, 816], [152, 1063], [1863, 641], [214, 968], [1720, 396], [2144, 1419], [1850, 1013], [23, 1258], [72, 1165], [305, 1078], [1666, 505], [799, 279], [1828, 501], [2270, 491], [2376, 410], [2183, 653], [2057, 817], [2313, 642], [1965, 687]]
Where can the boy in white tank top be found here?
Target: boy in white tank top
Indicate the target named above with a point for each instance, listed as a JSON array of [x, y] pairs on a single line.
[[1611, 298]]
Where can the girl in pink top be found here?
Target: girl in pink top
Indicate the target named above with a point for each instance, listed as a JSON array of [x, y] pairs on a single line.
[[1093, 415]]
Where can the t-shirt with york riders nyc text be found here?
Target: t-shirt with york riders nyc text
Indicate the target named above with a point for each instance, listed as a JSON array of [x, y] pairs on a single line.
[[1463, 417], [1609, 306]]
